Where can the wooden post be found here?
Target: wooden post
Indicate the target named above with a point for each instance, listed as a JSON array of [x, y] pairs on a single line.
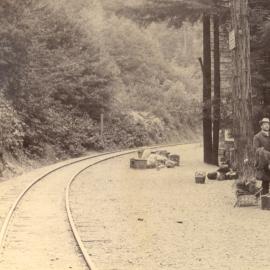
[[185, 38], [216, 102], [242, 90], [101, 125], [207, 121]]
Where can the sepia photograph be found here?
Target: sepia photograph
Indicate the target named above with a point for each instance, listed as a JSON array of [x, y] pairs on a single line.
[[134, 134]]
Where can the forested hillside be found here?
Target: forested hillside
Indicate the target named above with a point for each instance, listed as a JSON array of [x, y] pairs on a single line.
[[65, 62]]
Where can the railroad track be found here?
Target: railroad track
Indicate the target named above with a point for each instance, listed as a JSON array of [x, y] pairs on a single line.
[[21, 230]]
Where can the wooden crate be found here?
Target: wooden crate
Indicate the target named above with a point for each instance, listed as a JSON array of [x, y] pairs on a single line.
[[246, 200], [138, 163], [265, 202]]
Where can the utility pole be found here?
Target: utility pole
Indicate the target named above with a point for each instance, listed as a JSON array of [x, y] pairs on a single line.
[[216, 101], [101, 124], [242, 89], [206, 68]]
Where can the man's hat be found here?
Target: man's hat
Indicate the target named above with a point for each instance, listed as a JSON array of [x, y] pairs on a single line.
[[265, 120]]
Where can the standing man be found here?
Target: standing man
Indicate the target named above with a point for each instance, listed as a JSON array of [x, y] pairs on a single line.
[[261, 144]]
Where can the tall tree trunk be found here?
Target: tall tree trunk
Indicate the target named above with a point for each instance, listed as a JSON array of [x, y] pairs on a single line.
[[207, 121], [242, 90], [216, 101]]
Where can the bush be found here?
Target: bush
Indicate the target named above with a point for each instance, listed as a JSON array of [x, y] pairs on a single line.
[[12, 134]]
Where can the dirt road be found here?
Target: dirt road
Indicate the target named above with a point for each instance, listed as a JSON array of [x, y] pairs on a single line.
[[149, 219]]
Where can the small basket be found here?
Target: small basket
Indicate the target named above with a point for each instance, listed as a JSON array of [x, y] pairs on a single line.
[[200, 177], [246, 200]]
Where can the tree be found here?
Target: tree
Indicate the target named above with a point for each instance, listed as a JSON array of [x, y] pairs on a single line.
[[175, 12], [260, 59], [207, 106], [242, 90]]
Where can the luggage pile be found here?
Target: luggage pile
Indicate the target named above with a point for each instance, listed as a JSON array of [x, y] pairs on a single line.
[[224, 172], [154, 159]]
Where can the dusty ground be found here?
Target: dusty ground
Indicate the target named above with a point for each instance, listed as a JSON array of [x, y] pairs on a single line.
[[39, 235], [149, 219], [11, 188], [137, 220]]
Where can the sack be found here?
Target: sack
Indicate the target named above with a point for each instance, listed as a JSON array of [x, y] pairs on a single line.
[[240, 182], [223, 168], [212, 175], [251, 186], [221, 176], [259, 174], [232, 175], [262, 175], [170, 164]]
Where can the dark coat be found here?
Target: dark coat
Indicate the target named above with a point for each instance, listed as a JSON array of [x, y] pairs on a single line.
[[261, 140], [261, 145]]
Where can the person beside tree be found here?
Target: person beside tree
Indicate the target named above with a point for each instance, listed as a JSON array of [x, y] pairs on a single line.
[[261, 145]]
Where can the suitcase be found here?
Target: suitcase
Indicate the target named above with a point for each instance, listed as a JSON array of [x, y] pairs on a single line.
[[175, 158]]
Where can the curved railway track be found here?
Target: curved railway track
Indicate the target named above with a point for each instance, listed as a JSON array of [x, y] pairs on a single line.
[[73, 168]]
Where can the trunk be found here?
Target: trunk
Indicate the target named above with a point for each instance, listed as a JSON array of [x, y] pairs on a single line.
[[207, 122], [216, 102], [242, 91]]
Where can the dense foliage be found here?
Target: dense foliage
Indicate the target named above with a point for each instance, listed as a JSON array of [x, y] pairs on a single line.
[[65, 63]]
